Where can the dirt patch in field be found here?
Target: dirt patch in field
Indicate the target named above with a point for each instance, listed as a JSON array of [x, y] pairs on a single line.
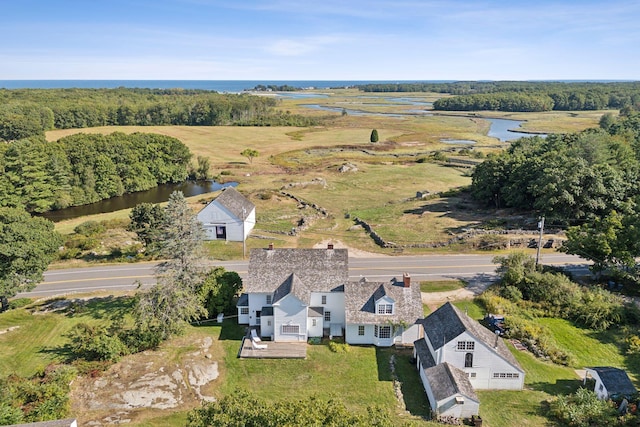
[[475, 287], [144, 383]]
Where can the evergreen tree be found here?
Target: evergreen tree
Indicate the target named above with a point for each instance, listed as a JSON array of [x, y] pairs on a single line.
[[174, 301], [374, 136]]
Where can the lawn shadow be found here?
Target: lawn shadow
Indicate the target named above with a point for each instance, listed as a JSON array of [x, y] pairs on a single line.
[[407, 383], [382, 361], [560, 387], [109, 307], [63, 352]]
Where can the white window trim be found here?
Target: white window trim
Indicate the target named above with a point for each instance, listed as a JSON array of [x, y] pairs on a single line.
[[384, 308], [290, 329], [465, 346]]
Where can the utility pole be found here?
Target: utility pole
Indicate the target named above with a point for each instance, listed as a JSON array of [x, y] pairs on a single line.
[[541, 227]]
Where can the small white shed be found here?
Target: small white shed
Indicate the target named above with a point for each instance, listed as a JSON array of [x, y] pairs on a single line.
[[230, 216], [610, 382]]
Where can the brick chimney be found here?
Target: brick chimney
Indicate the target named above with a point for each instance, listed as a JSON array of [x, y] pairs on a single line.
[[330, 246], [270, 246], [406, 280]]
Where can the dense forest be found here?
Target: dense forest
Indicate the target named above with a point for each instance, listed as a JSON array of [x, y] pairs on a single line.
[[40, 176], [30, 112], [523, 96], [570, 177]]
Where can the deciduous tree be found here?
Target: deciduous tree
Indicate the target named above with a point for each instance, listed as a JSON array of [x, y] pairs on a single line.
[[249, 153], [27, 246]]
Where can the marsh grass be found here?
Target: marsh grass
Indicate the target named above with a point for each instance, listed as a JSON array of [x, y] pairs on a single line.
[[388, 174]]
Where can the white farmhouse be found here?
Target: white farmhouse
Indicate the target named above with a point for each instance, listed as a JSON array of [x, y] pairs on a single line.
[[230, 216], [473, 358], [297, 294]]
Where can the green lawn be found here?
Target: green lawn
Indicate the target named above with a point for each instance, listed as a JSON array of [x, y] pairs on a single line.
[[360, 377], [441, 285], [589, 347]]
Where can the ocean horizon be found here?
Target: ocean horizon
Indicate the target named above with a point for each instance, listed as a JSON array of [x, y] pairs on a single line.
[[214, 85]]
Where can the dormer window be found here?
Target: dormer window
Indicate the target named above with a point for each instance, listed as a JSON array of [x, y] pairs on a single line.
[[385, 309]]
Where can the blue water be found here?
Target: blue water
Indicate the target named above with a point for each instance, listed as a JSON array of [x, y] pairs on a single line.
[[232, 86]]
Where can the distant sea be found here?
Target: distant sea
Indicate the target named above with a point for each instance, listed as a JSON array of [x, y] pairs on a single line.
[[232, 86]]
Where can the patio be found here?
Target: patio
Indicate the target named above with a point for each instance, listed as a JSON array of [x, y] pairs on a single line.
[[273, 350]]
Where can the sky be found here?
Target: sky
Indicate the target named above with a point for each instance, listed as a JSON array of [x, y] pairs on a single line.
[[320, 39]]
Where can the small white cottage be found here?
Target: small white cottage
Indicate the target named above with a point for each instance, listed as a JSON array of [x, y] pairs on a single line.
[[230, 216]]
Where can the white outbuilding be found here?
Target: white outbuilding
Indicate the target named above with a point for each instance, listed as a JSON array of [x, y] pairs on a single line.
[[230, 216]]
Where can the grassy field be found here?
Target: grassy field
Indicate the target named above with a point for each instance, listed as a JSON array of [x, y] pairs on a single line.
[[381, 192]]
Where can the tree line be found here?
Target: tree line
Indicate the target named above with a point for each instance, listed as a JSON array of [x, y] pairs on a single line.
[[85, 168], [523, 96], [571, 177], [588, 181], [30, 112]]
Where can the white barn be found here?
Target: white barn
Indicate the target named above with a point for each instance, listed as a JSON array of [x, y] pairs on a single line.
[[467, 347], [230, 217]]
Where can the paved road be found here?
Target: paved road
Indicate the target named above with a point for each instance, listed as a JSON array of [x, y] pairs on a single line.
[[474, 268]]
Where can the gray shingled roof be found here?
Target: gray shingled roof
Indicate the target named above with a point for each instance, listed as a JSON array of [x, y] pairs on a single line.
[[448, 322], [446, 380], [243, 301], [231, 199], [315, 312], [360, 298], [424, 354], [300, 271], [615, 380]]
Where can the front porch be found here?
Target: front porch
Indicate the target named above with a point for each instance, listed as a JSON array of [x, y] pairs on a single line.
[[271, 349]]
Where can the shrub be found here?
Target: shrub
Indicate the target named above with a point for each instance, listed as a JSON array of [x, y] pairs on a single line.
[[70, 253], [598, 309], [43, 397], [80, 242], [337, 347], [19, 302], [90, 228], [583, 409], [633, 345], [96, 343], [511, 293], [439, 156]]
